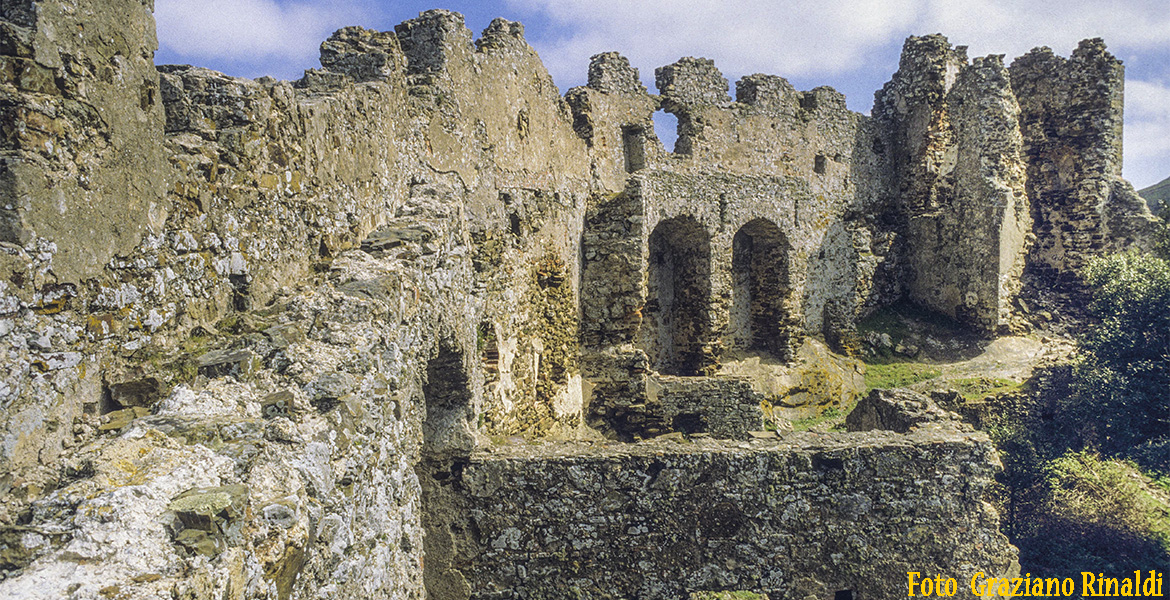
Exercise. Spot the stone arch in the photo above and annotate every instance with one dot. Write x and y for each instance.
(761, 288)
(678, 301)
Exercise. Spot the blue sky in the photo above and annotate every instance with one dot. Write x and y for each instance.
(852, 45)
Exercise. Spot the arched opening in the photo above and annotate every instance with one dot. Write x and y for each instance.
(759, 264)
(677, 322)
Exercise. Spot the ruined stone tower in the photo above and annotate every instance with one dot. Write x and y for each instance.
(328, 338)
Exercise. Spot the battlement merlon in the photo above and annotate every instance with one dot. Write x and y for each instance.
(691, 82)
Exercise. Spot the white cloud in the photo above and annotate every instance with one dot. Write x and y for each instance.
(1147, 132)
(252, 30)
(804, 37)
(799, 37)
(1012, 27)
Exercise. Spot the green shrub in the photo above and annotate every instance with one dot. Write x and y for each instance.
(1107, 492)
(1107, 515)
(1119, 401)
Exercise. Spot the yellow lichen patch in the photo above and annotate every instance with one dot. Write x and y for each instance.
(51, 307)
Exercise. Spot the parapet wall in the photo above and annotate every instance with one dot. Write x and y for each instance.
(799, 517)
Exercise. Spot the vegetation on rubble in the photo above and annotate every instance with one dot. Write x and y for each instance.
(830, 414)
(977, 388)
(1087, 463)
(897, 374)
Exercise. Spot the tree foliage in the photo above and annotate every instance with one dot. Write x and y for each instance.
(1121, 392)
(1087, 459)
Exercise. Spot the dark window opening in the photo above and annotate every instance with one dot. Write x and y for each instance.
(448, 401)
(843, 595)
(515, 225)
(489, 349)
(827, 463)
(819, 164)
(634, 142)
(240, 298)
(107, 404)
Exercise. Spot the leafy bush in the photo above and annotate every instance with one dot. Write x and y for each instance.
(1107, 515)
(1086, 460)
(1120, 401)
(1107, 492)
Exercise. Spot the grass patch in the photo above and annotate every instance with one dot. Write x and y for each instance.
(977, 388)
(829, 414)
(897, 374)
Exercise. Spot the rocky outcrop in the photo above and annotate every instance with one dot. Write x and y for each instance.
(897, 410)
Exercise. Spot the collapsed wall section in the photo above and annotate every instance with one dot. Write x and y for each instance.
(793, 518)
(997, 169)
(953, 128)
(1071, 119)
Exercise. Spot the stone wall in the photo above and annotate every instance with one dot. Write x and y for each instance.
(327, 252)
(799, 517)
(997, 169)
(761, 221)
(76, 97)
(1071, 119)
(952, 127)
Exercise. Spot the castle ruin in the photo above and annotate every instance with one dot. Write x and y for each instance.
(417, 325)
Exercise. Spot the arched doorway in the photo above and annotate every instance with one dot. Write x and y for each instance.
(677, 314)
(759, 264)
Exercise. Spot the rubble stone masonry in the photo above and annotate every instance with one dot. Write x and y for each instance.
(326, 338)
